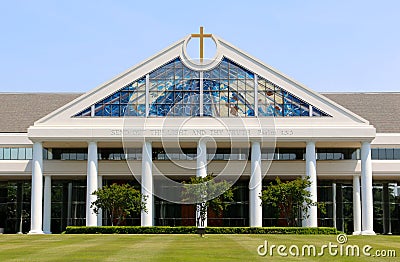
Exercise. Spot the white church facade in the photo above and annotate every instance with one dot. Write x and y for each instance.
(171, 117)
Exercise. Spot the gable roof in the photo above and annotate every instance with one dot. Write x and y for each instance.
(65, 115)
(381, 109)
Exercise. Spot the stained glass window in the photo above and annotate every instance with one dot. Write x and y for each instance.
(174, 91)
(275, 101)
(130, 100)
(228, 91)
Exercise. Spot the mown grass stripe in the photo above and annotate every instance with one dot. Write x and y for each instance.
(174, 248)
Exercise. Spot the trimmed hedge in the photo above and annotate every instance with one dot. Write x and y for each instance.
(193, 230)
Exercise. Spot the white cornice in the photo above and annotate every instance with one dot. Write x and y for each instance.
(386, 139)
(14, 139)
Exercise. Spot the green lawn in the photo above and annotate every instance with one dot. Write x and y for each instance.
(175, 247)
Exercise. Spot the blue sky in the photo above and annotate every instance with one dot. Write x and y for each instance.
(74, 46)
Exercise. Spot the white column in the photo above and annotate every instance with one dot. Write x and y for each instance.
(356, 205)
(147, 184)
(366, 190)
(91, 216)
(311, 172)
(100, 214)
(47, 205)
(37, 189)
(201, 171)
(69, 204)
(334, 206)
(255, 186)
(386, 208)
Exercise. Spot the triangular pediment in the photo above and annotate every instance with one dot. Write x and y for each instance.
(234, 84)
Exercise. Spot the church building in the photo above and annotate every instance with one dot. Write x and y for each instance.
(172, 117)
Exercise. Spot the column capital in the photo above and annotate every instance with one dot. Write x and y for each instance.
(308, 142)
(366, 141)
(204, 139)
(36, 140)
(365, 144)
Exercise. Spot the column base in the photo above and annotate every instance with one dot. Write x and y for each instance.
(308, 223)
(368, 233)
(146, 221)
(36, 232)
(357, 233)
(47, 232)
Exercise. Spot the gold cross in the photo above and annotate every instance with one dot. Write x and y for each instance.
(201, 36)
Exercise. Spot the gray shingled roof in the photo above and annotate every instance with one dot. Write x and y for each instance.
(19, 111)
(382, 110)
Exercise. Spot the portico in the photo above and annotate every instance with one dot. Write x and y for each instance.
(260, 167)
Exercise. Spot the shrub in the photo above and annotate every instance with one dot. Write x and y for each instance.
(193, 230)
(119, 201)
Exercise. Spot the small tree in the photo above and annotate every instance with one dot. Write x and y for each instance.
(291, 198)
(119, 201)
(207, 194)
